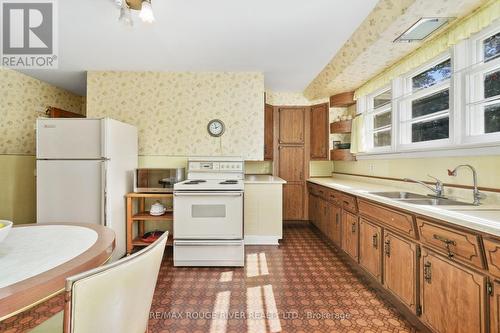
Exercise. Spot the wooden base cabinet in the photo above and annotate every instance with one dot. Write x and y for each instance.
(452, 296)
(350, 234)
(370, 248)
(495, 308)
(313, 203)
(335, 224)
(400, 264)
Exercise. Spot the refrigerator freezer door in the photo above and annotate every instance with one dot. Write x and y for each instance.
(70, 191)
(69, 139)
(121, 149)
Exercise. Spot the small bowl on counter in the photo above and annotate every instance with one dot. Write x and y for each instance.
(5, 227)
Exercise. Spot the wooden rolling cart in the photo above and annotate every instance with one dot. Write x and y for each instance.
(142, 215)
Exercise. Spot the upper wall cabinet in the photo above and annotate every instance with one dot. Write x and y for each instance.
(292, 125)
(342, 100)
(319, 132)
(268, 132)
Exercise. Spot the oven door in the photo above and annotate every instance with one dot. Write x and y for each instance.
(208, 215)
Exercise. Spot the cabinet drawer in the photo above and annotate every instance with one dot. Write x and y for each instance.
(334, 197)
(349, 203)
(400, 221)
(456, 244)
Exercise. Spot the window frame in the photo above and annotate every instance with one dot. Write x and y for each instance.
(475, 102)
(463, 93)
(371, 112)
(405, 106)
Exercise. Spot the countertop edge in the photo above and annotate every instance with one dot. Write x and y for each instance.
(261, 180)
(450, 216)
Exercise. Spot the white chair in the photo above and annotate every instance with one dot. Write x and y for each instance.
(111, 298)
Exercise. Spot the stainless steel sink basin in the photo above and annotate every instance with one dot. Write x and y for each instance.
(400, 195)
(438, 202)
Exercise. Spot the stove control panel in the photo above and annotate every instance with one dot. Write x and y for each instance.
(236, 166)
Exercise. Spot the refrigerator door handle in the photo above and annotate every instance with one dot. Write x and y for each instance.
(104, 193)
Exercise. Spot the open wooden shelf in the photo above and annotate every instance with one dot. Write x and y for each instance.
(145, 216)
(341, 127)
(139, 242)
(342, 155)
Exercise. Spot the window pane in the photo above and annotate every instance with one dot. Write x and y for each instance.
(430, 130)
(382, 119)
(491, 47)
(434, 75)
(382, 139)
(492, 118)
(430, 104)
(382, 99)
(492, 84)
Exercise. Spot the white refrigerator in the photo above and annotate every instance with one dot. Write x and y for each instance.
(84, 168)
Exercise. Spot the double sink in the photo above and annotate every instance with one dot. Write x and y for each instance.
(419, 199)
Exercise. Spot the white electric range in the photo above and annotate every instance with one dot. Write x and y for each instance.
(208, 214)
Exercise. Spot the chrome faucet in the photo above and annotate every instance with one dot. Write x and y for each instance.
(477, 195)
(438, 188)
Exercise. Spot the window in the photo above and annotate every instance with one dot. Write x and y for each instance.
(451, 103)
(380, 119)
(425, 107)
(483, 87)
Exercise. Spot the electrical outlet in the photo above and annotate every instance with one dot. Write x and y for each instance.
(371, 168)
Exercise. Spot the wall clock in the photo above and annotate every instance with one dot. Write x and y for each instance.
(216, 127)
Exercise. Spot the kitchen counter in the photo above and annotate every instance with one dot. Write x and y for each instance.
(484, 218)
(263, 179)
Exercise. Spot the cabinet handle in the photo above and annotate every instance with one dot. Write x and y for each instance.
(375, 240)
(353, 227)
(427, 272)
(387, 247)
(447, 242)
(346, 203)
(337, 218)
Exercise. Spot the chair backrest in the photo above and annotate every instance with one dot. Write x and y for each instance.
(116, 297)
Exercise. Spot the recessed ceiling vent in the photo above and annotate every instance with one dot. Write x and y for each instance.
(422, 29)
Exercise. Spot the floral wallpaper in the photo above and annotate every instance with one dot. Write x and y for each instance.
(371, 49)
(171, 110)
(22, 100)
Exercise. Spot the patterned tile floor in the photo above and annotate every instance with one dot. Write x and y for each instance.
(302, 285)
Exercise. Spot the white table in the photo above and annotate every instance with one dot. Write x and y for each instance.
(36, 259)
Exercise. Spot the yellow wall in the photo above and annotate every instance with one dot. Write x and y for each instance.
(487, 167)
(171, 110)
(22, 100)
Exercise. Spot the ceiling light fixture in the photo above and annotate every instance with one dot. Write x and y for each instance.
(422, 29)
(125, 15)
(144, 6)
(146, 13)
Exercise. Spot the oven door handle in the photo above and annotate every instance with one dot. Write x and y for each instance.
(206, 194)
(201, 243)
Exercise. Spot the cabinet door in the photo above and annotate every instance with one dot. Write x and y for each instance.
(319, 132)
(336, 222)
(293, 201)
(312, 209)
(369, 247)
(268, 132)
(291, 163)
(292, 125)
(400, 269)
(495, 308)
(452, 296)
(350, 234)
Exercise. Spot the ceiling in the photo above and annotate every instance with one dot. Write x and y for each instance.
(371, 49)
(290, 41)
